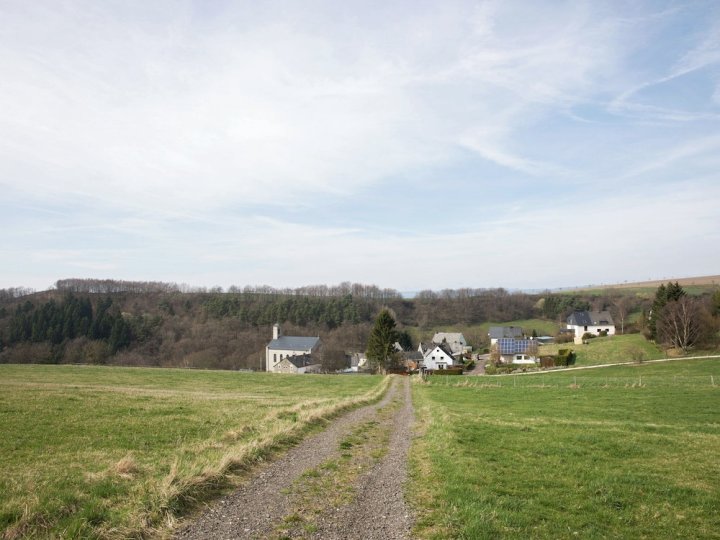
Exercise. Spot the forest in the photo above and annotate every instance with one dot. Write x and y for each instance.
(165, 324)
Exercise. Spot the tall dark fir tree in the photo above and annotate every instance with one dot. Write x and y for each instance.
(381, 343)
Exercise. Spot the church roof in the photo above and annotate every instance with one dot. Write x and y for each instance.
(293, 343)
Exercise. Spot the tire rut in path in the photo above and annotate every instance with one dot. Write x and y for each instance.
(379, 510)
(255, 509)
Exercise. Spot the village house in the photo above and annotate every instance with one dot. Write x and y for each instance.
(291, 354)
(591, 322)
(436, 357)
(517, 351)
(301, 363)
(455, 340)
(504, 332)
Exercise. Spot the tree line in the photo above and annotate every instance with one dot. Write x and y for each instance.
(56, 322)
(230, 329)
(111, 286)
(301, 311)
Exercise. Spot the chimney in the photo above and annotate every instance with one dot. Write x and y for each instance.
(276, 331)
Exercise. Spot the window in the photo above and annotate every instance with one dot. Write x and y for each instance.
(441, 366)
(275, 357)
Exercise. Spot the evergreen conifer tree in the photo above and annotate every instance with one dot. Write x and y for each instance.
(380, 349)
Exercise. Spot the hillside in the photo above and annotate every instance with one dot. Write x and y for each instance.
(158, 324)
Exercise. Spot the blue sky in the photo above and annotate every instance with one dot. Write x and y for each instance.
(413, 145)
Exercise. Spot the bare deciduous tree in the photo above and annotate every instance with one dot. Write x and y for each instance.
(680, 323)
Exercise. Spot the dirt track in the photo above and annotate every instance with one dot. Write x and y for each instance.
(345, 482)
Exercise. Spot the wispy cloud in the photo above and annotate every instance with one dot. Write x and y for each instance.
(166, 141)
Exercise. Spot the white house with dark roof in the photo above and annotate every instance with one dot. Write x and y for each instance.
(592, 322)
(289, 347)
(455, 340)
(436, 357)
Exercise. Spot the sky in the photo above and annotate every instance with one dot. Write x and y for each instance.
(408, 144)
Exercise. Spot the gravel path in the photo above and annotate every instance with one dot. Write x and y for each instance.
(379, 511)
(257, 508)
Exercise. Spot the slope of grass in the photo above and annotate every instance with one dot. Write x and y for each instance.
(117, 452)
(623, 452)
(609, 350)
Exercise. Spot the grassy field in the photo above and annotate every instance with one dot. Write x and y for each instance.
(693, 286)
(116, 452)
(609, 350)
(622, 452)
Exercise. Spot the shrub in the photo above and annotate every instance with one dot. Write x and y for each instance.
(490, 369)
(547, 361)
(588, 335)
(449, 371)
(637, 354)
(565, 357)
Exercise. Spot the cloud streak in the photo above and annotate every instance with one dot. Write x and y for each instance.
(236, 142)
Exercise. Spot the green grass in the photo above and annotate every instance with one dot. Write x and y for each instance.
(640, 292)
(113, 452)
(608, 350)
(622, 452)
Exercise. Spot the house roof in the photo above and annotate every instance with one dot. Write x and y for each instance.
(450, 337)
(499, 332)
(455, 340)
(444, 347)
(412, 355)
(293, 343)
(514, 346)
(590, 318)
(300, 360)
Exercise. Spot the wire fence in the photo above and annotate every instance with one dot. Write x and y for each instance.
(578, 381)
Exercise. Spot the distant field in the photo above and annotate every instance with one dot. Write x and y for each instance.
(609, 350)
(692, 285)
(116, 452)
(622, 452)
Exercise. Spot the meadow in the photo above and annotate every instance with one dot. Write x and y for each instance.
(98, 452)
(621, 452)
(609, 350)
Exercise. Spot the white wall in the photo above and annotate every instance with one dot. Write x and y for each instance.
(274, 356)
(435, 357)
